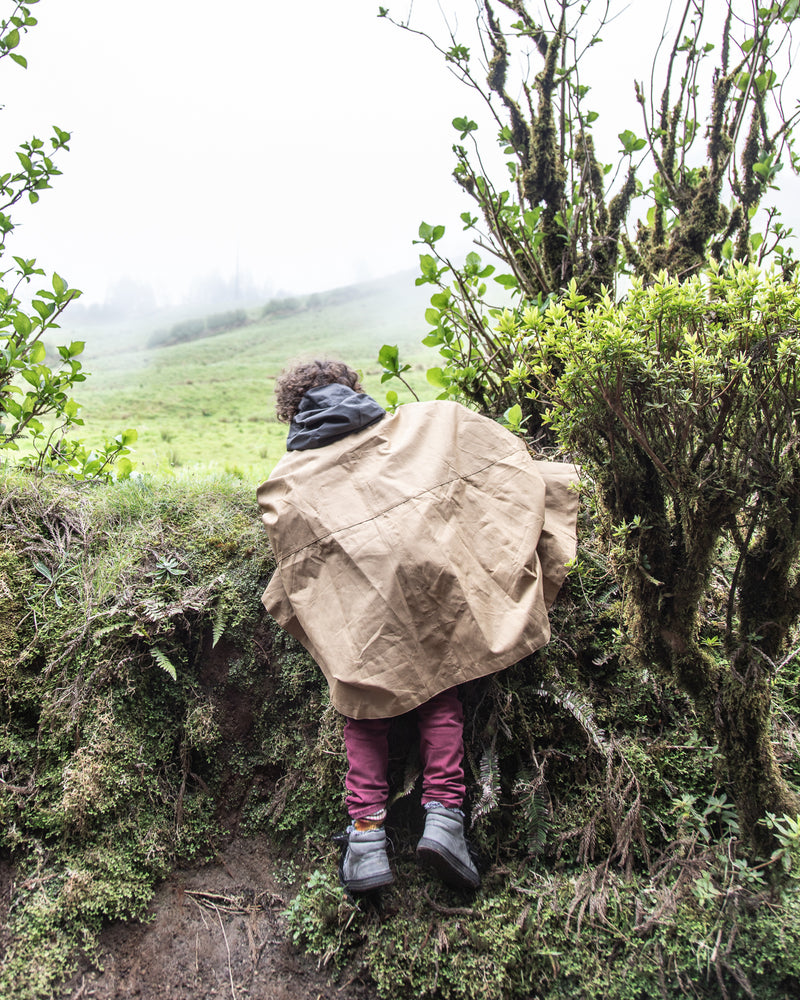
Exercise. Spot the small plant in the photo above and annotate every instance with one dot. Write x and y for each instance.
(786, 830)
(168, 566)
(322, 918)
(389, 359)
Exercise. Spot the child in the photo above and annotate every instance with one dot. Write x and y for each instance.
(415, 552)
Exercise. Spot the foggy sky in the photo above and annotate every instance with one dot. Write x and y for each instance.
(297, 146)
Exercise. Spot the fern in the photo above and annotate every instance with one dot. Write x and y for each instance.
(220, 621)
(490, 784)
(413, 770)
(580, 709)
(164, 662)
(535, 809)
(537, 819)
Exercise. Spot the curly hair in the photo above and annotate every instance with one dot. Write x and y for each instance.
(292, 384)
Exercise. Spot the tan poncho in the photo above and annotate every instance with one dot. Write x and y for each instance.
(418, 553)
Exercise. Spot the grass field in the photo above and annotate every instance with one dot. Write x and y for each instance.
(207, 405)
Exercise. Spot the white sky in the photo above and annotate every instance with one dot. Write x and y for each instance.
(304, 140)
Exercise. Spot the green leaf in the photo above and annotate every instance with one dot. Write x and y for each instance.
(123, 468)
(473, 261)
(789, 10)
(37, 353)
(11, 40)
(389, 356)
(425, 232)
(766, 81)
(507, 281)
(513, 418)
(630, 142)
(430, 234)
(22, 324)
(41, 568)
(19, 60)
(464, 126)
(76, 347)
(44, 309)
(437, 378)
(427, 265)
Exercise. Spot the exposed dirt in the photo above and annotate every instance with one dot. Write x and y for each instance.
(214, 931)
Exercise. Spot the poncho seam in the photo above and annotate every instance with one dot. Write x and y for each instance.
(386, 510)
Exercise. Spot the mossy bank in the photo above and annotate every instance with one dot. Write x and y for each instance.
(150, 710)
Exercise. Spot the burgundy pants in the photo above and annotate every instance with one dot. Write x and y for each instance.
(441, 726)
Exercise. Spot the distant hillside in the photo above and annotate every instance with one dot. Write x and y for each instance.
(208, 401)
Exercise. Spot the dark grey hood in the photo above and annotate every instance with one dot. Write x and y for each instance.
(328, 413)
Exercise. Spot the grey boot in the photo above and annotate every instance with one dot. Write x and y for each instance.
(364, 864)
(443, 848)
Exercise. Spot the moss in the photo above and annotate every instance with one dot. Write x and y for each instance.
(590, 789)
(111, 769)
(531, 936)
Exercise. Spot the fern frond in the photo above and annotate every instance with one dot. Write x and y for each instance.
(490, 784)
(413, 770)
(220, 621)
(537, 820)
(164, 662)
(534, 802)
(580, 709)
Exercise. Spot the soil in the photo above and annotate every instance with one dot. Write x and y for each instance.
(213, 931)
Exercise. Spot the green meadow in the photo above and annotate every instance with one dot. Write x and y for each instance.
(206, 405)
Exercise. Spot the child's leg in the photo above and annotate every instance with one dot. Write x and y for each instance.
(441, 728)
(364, 866)
(366, 741)
(442, 847)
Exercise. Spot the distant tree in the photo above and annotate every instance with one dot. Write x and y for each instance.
(30, 387)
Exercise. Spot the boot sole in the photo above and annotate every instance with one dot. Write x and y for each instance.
(366, 884)
(449, 869)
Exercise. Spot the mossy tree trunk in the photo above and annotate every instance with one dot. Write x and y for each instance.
(744, 731)
(683, 403)
(733, 698)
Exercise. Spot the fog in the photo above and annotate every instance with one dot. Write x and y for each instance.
(234, 153)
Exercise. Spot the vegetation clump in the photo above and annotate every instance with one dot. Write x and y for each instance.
(196, 329)
(123, 712)
(151, 710)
